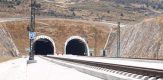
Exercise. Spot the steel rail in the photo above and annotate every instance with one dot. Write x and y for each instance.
(125, 68)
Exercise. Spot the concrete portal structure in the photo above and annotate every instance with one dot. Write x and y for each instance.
(44, 45)
(76, 45)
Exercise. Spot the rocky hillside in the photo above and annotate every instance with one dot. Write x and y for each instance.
(7, 46)
(60, 30)
(143, 40)
(97, 10)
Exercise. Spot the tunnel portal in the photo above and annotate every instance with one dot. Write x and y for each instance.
(43, 47)
(76, 46)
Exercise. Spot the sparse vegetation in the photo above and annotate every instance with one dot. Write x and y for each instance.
(97, 10)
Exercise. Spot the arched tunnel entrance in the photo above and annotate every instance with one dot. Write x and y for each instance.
(76, 46)
(43, 46)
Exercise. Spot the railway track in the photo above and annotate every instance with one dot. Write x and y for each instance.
(155, 74)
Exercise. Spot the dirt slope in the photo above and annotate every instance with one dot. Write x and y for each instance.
(60, 30)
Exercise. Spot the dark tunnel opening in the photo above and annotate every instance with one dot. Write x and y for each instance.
(76, 47)
(43, 47)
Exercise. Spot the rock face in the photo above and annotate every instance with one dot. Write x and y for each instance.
(142, 40)
(7, 46)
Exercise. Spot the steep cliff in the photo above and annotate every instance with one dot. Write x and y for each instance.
(142, 40)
